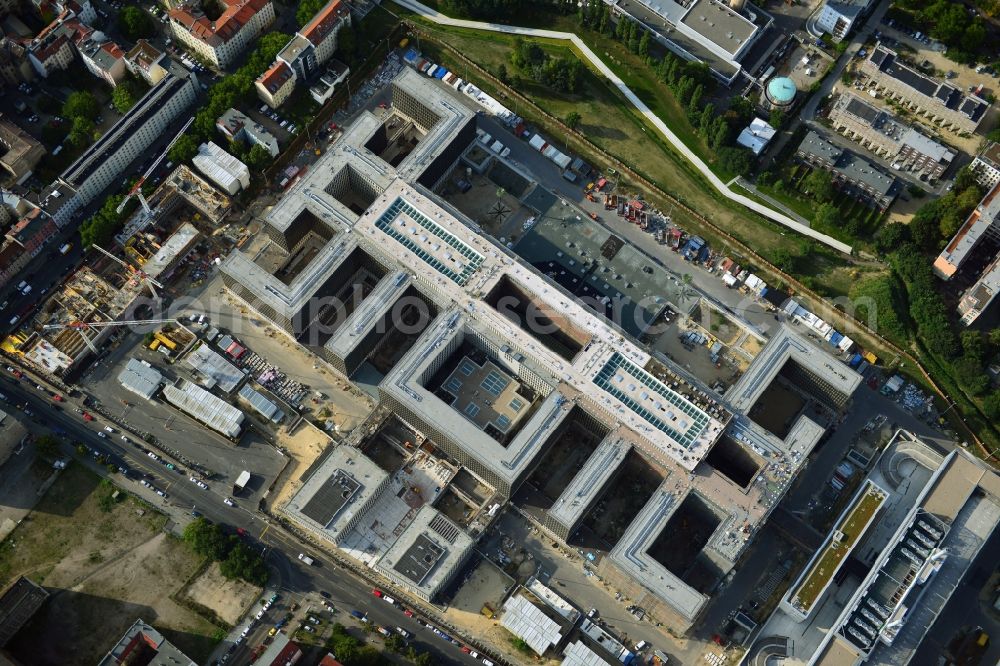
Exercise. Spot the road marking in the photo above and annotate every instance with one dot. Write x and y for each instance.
(266, 528)
(167, 487)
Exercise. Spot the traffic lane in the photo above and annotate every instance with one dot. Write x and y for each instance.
(347, 593)
(173, 429)
(43, 272)
(180, 491)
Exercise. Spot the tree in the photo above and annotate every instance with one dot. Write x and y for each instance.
(572, 120)
(991, 406)
(307, 9)
(81, 104)
(123, 97)
(891, 236)
(777, 118)
(395, 643)
(826, 215)
(81, 132)
(425, 658)
(735, 160)
(783, 259)
(644, 44)
(258, 157)
(242, 562)
(183, 150)
(206, 539)
(47, 446)
(502, 73)
(135, 23)
(820, 185)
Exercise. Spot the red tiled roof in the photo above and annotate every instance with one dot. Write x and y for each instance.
(325, 21)
(328, 660)
(113, 50)
(276, 76)
(236, 15)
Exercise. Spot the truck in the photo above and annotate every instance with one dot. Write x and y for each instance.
(308, 561)
(241, 482)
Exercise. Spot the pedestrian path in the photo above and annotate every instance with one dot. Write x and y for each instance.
(667, 133)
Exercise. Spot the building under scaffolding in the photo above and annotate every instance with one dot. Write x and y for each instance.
(85, 297)
(198, 193)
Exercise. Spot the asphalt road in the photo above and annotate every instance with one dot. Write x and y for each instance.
(289, 575)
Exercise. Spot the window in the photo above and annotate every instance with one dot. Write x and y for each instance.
(472, 409)
(454, 385)
(503, 422)
(467, 367)
(495, 383)
(516, 404)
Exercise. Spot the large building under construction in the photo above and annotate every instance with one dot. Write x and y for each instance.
(497, 368)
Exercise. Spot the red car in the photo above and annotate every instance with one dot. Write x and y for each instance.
(466, 650)
(18, 374)
(57, 397)
(241, 531)
(377, 592)
(87, 416)
(408, 613)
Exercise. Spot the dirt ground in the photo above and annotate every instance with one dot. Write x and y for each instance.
(903, 210)
(104, 570)
(303, 445)
(229, 599)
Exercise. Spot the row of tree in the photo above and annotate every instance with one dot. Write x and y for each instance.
(560, 74)
(236, 559)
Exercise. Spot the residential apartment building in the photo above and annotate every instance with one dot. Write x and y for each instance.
(838, 17)
(147, 62)
(936, 101)
(315, 43)
(222, 40)
(52, 49)
(14, 64)
(237, 126)
(883, 134)
(32, 232)
(983, 224)
(276, 84)
(21, 152)
(336, 73)
(143, 126)
(980, 295)
(142, 644)
(103, 59)
(987, 166)
(850, 172)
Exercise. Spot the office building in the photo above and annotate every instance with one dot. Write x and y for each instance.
(222, 40)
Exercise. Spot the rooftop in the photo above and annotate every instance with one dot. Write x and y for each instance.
(724, 27)
(277, 75)
(212, 369)
(19, 601)
(140, 378)
(205, 407)
(237, 13)
(530, 623)
(326, 21)
(980, 224)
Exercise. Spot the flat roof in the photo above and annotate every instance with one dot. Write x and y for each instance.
(332, 513)
(428, 551)
(587, 484)
(214, 412)
(839, 652)
(578, 654)
(176, 246)
(140, 378)
(979, 223)
(214, 369)
(529, 623)
(719, 24)
(632, 556)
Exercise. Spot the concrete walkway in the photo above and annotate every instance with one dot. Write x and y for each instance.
(654, 120)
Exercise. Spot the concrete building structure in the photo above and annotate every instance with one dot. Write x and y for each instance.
(237, 126)
(362, 236)
(851, 173)
(19, 151)
(276, 84)
(980, 295)
(980, 229)
(104, 160)
(987, 166)
(142, 644)
(222, 40)
(882, 133)
(717, 33)
(336, 73)
(13, 435)
(205, 407)
(756, 136)
(932, 547)
(146, 61)
(838, 17)
(102, 58)
(196, 192)
(780, 93)
(938, 102)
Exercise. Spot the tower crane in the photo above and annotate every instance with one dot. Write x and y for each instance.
(82, 326)
(147, 214)
(137, 274)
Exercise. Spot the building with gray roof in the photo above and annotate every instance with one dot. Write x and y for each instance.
(237, 126)
(142, 644)
(938, 102)
(212, 370)
(140, 378)
(427, 555)
(850, 172)
(202, 406)
(885, 135)
(19, 602)
(338, 493)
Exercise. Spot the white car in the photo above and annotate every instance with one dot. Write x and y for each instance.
(153, 455)
(124, 438)
(108, 429)
(229, 502)
(102, 435)
(161, 493)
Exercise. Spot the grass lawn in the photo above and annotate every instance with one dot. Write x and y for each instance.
(613, 125)
(834, 552)
(103, 569)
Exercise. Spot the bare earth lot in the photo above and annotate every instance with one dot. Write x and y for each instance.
(227, 598)
(104, 570)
